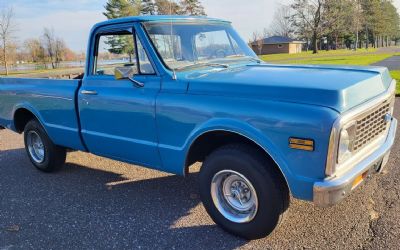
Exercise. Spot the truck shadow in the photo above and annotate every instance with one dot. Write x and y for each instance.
(100, 204)
(100, 208)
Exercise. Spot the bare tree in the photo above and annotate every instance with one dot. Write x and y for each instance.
(258, 41)
(356, 20)
(266, 33)
(167, 7)
(7, 30)
(59, 52)
(36, 51)
(308, 16)
(281, 24)
(55, 47)
(49, 43)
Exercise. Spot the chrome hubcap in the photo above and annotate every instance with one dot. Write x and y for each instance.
(234, 196)
(35, 147)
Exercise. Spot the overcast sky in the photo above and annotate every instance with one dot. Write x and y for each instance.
(72, 19)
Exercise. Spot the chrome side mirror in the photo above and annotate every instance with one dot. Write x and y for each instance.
(123, 72)
(127, 73)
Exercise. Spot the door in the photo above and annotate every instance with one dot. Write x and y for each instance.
(118, 116)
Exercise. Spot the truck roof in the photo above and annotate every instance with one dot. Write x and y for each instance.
(160, 18)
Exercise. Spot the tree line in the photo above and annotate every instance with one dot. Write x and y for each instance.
(322, 24)
(45, 50)
(332, 24)
(122, 8)
(50, 50)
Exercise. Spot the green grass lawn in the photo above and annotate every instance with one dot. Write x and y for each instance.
(362, 60)
(396, 75)
(360, 57)
(48, 72)
(310, 55)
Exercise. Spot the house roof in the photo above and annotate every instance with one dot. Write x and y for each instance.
(279, 40)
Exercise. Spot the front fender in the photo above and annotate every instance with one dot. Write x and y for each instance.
(181, 119)
(245, 130)
(174, 158)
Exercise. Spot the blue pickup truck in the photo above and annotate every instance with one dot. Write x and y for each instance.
(166, 92)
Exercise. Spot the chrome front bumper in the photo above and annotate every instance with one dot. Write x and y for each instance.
(332, 190)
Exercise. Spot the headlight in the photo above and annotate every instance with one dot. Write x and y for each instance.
(346, 141)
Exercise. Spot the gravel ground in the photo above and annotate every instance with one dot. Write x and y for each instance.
(96, 203)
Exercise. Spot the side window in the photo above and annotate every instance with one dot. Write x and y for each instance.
(145, 66)
(115, 50)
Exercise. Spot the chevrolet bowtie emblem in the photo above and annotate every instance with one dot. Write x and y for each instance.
(388, 117)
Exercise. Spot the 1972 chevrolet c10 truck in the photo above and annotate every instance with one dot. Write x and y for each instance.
(179, 90)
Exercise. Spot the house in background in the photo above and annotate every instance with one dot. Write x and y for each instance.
(277, 45)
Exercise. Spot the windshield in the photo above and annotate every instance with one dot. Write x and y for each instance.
(187, 45)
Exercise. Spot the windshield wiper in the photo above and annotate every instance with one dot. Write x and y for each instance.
(245, 57)
(221, 65)
(254, 59)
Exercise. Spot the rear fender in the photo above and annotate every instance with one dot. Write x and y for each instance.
(30, 108)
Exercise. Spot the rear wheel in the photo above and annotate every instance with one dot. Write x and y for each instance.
(243, 192)
(43, 153)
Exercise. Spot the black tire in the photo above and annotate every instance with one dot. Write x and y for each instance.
(269, 184)
(54, 156)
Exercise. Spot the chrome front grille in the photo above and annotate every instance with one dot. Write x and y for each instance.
(371, 125)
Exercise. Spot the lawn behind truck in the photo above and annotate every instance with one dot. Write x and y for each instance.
(361, 57)
(396, 75)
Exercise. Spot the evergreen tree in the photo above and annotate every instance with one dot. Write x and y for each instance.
(374, 20)
(116, 9)
(148, 7)
(391, 22)
(122, 8)
(167, 7)
(350, 21)
(337, 21)
(192, 8)
(171, 7)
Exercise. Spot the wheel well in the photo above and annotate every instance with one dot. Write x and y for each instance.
(208, 142)
(21, 118)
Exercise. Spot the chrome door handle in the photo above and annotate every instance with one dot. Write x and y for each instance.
(137, 83)
(88, 92)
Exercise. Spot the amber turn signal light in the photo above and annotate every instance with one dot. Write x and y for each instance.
(302, 144)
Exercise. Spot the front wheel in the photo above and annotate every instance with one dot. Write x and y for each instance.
(243, 192)
(43, 153)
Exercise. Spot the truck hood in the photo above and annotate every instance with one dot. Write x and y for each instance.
(339, 88)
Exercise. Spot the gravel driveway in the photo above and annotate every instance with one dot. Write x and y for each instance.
(98, 203)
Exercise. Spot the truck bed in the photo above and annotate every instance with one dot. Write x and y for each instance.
(52, 101)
